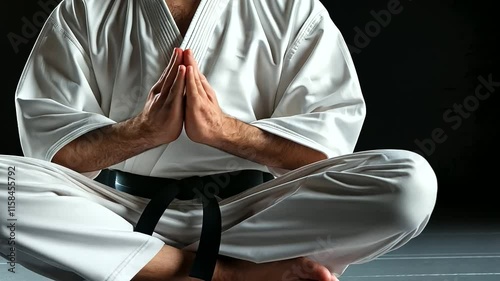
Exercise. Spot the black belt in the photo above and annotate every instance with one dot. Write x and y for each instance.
(162, 191)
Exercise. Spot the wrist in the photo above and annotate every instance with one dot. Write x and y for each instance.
(230, 131)
(140, 133)
(143, 131)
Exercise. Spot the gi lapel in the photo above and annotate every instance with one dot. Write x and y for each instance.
(199, 33)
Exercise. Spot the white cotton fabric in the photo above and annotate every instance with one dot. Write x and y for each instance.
(280, 65)
(344, 210)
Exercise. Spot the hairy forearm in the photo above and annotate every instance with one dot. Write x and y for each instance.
(104, 147)
(252, 143)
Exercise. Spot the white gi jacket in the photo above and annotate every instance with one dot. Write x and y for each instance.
(280, 65)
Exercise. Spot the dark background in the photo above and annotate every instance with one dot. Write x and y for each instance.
(416, 68)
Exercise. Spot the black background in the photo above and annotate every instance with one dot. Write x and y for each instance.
(414, 68)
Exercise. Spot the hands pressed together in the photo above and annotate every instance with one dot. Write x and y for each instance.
(183, 97)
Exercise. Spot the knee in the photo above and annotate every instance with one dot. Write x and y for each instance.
(414, 190)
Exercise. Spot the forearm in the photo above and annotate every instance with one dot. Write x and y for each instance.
(104, 147)
(252, 143)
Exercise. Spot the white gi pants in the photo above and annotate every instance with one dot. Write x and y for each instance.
(340, 211)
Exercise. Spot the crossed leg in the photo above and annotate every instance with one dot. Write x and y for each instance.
(307, 224)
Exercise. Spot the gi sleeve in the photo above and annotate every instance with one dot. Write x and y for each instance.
(57, 98)
(319, 102)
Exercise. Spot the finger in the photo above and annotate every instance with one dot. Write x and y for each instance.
(169, 79)
(191, 88)
(189, 59)
(159, 84)
(199, 84)
(170, 65)
(177, 89)
(208, 88)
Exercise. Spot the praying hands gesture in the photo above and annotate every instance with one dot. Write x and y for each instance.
(182, 98)
(204, 120)
(162, 117)
(183, 95)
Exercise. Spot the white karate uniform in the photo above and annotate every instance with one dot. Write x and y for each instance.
(279, 65)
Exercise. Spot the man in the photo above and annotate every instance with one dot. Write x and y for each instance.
(172, 92)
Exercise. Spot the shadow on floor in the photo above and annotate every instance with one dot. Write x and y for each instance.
(455, 246)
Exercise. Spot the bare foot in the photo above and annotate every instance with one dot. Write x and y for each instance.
(299, 269)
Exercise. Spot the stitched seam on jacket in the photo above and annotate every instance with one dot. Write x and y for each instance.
(309, 26)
